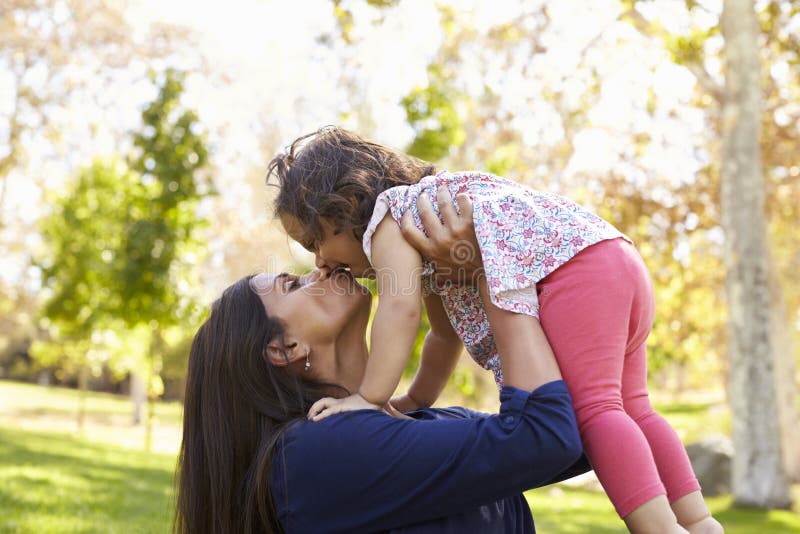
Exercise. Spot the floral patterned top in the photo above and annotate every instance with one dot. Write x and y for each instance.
(523, 235)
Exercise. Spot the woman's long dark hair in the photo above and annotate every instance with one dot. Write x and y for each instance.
(237, 405)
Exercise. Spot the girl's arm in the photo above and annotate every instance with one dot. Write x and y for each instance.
(438, 359)
(398, 277)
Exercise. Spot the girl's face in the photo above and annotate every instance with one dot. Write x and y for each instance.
(335, 249)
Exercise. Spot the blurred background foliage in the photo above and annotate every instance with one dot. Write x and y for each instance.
(109, 222)
(134, 137)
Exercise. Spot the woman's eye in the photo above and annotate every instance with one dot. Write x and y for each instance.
(290, 283)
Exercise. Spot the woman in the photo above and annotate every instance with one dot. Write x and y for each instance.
(251, 462)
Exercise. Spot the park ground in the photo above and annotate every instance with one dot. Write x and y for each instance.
(54, 479)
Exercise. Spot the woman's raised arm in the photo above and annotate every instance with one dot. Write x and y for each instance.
(365, 471)
(526, 357)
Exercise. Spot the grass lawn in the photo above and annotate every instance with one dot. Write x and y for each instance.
(107, 416)
(53, 481)
(567, 510)
(32, 400)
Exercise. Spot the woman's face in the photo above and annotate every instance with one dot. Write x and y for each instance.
(315, 309)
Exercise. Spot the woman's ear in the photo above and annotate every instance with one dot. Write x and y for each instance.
(281, 355)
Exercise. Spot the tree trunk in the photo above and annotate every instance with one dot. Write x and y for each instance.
(154, 386)
(785, 379)
(44, 378)
(758, 474)
(83, 384)
(148, 426)
(138, 395)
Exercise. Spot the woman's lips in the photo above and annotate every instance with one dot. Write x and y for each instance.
(342, 280)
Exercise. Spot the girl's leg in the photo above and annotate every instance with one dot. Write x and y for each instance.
(586, 311)
(674, 468)
(670, 456)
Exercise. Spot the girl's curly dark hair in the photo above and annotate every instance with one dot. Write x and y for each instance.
(336, 174)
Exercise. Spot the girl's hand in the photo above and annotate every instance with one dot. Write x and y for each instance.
(329, 406)
(388, 409)
(404, 403)
(452, 245)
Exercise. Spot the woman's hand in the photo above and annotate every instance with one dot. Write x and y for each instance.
(451, 245)
(329, 406)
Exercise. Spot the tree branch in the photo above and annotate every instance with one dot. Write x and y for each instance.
(699, 71)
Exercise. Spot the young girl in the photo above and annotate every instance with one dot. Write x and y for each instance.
(544, 256)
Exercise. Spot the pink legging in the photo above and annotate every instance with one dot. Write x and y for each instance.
(597, 310)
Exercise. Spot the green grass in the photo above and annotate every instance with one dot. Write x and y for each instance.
(692, 421)
(53, 481)
(32, 400)
(108, 417)
(56, 483)
(569, 510)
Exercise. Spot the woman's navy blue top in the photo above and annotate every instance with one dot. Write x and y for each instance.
(445, 470)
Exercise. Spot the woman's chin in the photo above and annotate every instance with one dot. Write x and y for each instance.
(362, 272)
(344, 282)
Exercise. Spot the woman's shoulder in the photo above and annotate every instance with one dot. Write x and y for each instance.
(340, 434)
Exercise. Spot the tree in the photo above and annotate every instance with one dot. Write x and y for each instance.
(779, 141)
(54, 49)
(432, 112)
(160, 227)
(758, 469)
(123, 246)
(83, 235)
(57, 56)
